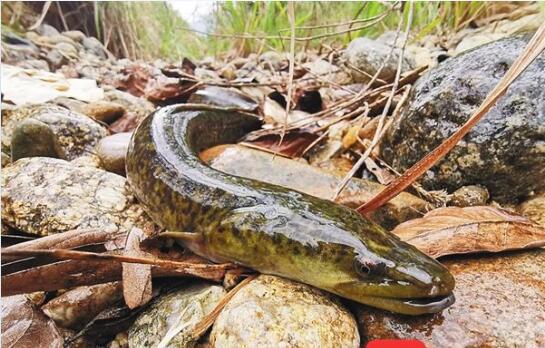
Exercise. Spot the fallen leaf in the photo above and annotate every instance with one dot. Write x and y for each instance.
(293, 144)
(454, 230)
(76, 307)
(136, 276)
(24, 325)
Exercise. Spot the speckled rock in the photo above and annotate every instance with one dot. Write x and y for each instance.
(368, 55)
(95, 47)
(112, 151)
(469, 196)
(170, 319)
(44, 196)
(504, 152)
(275, 312)
(77, 134)
(104, 111)
(33, 138)
(534, 208)
(500, 302)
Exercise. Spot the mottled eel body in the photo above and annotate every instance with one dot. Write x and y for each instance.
(270, 228)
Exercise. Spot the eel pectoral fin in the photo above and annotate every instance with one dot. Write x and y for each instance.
(194, 241)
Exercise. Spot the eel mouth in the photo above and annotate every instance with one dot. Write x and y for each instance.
(410, 306)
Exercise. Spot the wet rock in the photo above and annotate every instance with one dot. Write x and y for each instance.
(254, 164)
(368, 55)
(70, 104)
(33, 138)
(112, 151)
(78, 306)
(169, 320)
(77, 134)
(469, 196)
(275, 312)
(136, 109)
(504, 152)
(225, 97)
(104, 111)
(500, 302)
(45, 196)
(534, 208)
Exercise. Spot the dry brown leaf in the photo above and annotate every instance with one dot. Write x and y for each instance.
(293, 144)
(24, 325)
(137, 284)
(453, 230)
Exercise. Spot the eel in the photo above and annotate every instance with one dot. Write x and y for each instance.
(269, 228)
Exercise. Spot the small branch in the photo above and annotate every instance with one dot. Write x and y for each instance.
(532, 50)
(42, 16)
(379, 133)
(211, 317)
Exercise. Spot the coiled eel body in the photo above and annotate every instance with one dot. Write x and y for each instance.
(270, 228)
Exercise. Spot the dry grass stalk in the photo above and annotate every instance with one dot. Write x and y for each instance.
(379, 132)
(532, 50)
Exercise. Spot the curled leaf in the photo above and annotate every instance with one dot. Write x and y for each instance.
(453, 230)
(24, 325)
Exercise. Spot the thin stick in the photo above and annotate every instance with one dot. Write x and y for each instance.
(278, 37)
(378, 132)
(532, 50)
(211, 317)
(42, 16)
(66, 254)
(330, 25)
(291, 15)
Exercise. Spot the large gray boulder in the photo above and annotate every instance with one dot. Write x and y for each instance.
(504, 152)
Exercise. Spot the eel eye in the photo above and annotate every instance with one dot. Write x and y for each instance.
(366, 269)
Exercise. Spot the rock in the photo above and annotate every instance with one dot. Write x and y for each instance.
(136, 109)
(70, 104)
(76, 307)
(328, 72)
(75, 35)
(534, 208)
(77, 134)
(112, 151)
(44, 196)
(504, 152)
(38, 64)
(47, 30)
(56, 59)
(469, 196)
(470, 38)
(271, 59)
(368, 55)
(500, 302)
(275, 312)
(104, 111)
(225, 97)
(6, 159)
(33, 138)
(169, 320)
(258, 165)
(95, 47)
(67, 49)
(205, 74)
